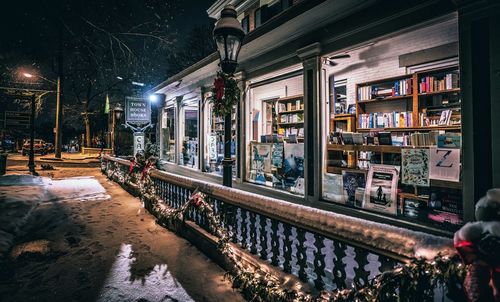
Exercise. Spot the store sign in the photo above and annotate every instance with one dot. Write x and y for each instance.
(17, 119)
(138, 142)
(137, 111)
(212, 147)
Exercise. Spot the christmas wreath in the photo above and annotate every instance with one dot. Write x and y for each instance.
(225, 94)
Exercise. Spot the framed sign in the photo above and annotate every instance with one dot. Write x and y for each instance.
(137, 111)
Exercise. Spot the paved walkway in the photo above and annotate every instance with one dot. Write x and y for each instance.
(93, 247)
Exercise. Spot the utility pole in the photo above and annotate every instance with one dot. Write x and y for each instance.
(59, 115)
(31, 162)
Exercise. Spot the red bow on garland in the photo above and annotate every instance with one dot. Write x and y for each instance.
(146, 169)
(219, 88)
(131, 167)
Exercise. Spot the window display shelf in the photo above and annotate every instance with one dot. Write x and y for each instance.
(372, 148)
(385, 99)
(454, 90)
(291, 124)
(428, 128)
(291, 111)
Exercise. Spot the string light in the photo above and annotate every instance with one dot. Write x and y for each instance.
(418, 278)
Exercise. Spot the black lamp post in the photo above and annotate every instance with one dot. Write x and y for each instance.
(117, 114)
(228, 35)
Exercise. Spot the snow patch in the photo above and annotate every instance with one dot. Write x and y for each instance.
(159, 285)
(76, 189)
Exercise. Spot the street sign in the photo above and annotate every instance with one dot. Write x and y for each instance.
(138, 142)
(137, 111)
(17, 119)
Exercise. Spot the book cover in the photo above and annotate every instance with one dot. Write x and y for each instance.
(384, 138)
(332, 187)
(351, 181)
(444, 164)
(449, 140)
(261, 157)
(445, 206)
(381, 188)
(293, 163)
(415, 166)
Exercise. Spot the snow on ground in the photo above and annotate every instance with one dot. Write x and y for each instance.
(121, 285)
(86, 239)
(20, 194)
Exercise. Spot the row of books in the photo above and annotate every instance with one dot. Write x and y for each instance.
(402, 87)
(291, 105)
(291, 131)
(432, 138)
(399, 88)
(292, 118)
(386, 120)
(434, 84)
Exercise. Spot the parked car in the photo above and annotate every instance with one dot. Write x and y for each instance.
(39, 146)
(8, 145)
(50, 147)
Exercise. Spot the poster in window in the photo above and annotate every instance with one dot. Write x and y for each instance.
(444, 164)
(381, 188)
(277, 157)
(261, 157)
(415, 166)
(293, 164)
(352, 181)
(332, 187)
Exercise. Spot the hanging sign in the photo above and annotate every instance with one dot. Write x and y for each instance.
(138, 142)
(137, 111)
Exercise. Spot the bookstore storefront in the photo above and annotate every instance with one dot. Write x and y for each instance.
(275, 132)
(392, 135)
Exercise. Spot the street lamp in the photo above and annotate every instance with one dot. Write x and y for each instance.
(117, 114)
(58, 134)
(228, 35)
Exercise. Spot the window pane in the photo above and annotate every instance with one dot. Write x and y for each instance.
(189, 150)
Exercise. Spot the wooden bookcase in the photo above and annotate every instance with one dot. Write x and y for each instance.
(290, 111)
(372, 96)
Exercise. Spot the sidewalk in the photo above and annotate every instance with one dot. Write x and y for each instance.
(89, 240)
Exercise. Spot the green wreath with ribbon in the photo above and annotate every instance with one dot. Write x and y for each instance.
(225, 94)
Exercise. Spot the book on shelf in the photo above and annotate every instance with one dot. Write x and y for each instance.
(386, 120)
(435, 84)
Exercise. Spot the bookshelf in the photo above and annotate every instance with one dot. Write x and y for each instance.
(401, 113)
(291, 117)
(416, 102)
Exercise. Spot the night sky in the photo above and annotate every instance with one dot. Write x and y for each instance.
(25, 23)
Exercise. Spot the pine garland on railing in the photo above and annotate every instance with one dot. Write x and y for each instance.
(414, 281)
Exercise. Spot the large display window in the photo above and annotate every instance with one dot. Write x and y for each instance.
(188, 128)
(214, 141)
(393, 128)
(167, 150)
(275, 144)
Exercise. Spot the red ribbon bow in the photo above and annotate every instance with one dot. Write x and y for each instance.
(219, 88)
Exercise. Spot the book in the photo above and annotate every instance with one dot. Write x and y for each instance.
(381, 188)
(444, 164)
(384, 138)
(449, 140)
(415, 166)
